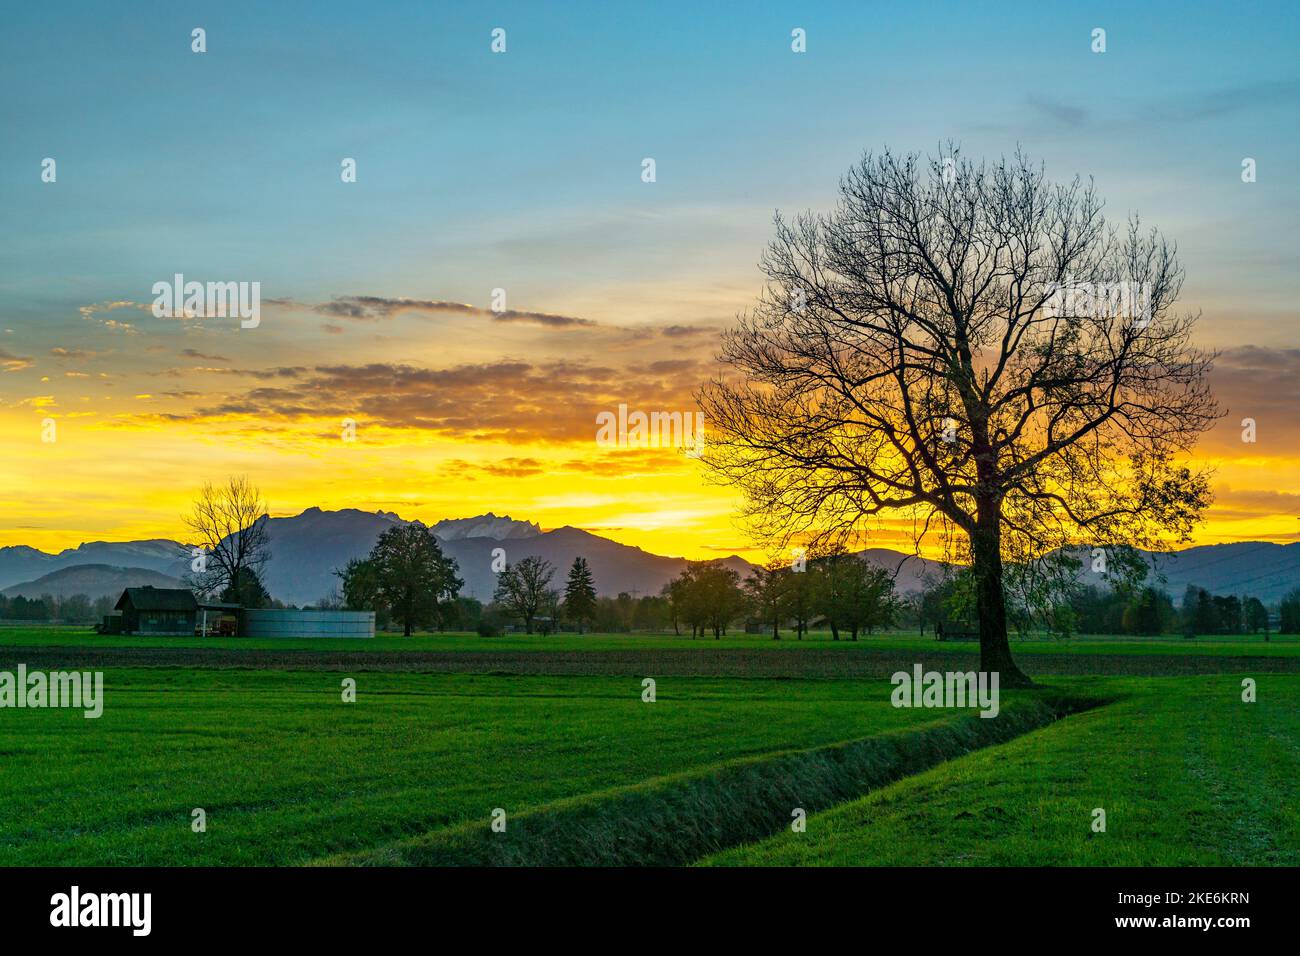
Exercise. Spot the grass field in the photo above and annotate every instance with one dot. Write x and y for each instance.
(1243, 645)
(289, 774)
(1187, 774)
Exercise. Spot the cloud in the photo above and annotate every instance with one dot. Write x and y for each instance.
(196, 354)
(1060, 112)
(502, 468)
(501, 401)
(91, 313)
(1206, 104)
(14, 363)
(672, 366)
(542, 318)
(1235, 504)
(373, 308)
(685, 331)
(1262, 384)
(1143, 114)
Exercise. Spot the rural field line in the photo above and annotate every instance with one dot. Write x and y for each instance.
(677, 820)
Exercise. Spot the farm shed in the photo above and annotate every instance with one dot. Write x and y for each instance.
(150, 610)
(218, 619)
(265, 622)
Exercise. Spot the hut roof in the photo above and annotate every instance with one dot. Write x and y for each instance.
(157, 599)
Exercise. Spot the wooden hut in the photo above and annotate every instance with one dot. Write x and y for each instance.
(150, 610)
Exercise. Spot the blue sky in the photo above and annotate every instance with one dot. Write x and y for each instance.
(478, 170)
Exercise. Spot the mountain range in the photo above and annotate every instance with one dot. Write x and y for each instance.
(91, 580)
(307, 548)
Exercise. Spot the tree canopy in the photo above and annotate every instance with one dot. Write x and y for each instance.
(971, 348)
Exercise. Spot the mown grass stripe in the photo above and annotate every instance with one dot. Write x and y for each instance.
(756, 662)
(680, 819)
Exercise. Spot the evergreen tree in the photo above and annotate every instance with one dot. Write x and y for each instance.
(580, 593)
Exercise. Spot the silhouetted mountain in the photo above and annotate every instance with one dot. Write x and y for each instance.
(911, 573)
(1256, 568)
(485, 526)
(92, 580)
(615, 567)
(20, 563)
(307, 548)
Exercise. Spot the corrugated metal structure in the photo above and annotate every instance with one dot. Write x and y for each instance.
(266, 622)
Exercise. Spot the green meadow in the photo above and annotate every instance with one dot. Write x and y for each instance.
(711, 771)
(1187, 774)
(287, 772)
(1237, 645)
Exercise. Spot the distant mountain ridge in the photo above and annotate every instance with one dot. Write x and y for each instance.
(19, 563)
(92, 580)
(307, 548)
(485, 526)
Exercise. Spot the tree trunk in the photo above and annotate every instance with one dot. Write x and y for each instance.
(986, 566)
(406, 628)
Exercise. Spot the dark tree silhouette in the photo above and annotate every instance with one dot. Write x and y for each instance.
(580, 593)
(407, 573)
(767, 588)
(522, 588)
(972, 348)
(228, 524)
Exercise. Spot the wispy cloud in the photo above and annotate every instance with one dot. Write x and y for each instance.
(14, 363)
(373, 308)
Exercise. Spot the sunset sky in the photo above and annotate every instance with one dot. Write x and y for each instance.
(522, 171)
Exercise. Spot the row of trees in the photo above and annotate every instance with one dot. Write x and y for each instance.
(407, 579)
(73, 608)
(849, 594)
(1125, 607)
(846, 592)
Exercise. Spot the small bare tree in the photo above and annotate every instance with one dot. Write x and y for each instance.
(522, 589)
(227, 525)
(973, 348)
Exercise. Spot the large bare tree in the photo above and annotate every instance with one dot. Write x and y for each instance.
(227, 526)
(972, 348)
